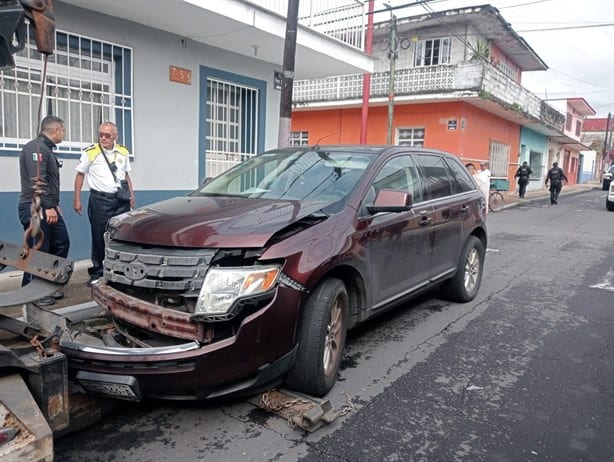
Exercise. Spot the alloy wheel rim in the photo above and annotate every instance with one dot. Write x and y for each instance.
(472, 270)
(334, 333)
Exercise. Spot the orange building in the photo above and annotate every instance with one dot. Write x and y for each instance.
(457, 87)
(457, 127)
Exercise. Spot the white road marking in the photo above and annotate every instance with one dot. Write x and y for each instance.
(607, 284)
(488, 249)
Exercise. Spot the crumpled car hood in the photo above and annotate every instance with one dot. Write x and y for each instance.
(209, 221)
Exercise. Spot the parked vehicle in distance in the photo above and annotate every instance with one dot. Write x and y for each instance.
(607, 178)
(255, 277)
(609, 199)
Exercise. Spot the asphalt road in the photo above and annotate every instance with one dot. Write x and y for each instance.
(525, 372)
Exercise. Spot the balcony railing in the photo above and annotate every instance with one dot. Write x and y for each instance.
(347, 87)
(479, 78)
(343, 20)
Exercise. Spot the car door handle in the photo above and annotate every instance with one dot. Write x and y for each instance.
(464, 209)
(425, 221)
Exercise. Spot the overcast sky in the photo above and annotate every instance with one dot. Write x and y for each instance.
(580, 55)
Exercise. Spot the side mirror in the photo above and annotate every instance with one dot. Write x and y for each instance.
(391, 200)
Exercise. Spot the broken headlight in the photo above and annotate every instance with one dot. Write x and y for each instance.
(222, 287)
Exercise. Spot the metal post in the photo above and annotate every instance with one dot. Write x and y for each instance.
(605, 161)
(366, 79)
(287, 80)
(392, 55)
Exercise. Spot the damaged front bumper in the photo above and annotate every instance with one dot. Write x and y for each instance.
(259, 352)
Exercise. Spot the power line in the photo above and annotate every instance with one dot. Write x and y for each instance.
(579, 80)
(588, 26)
(523, 4)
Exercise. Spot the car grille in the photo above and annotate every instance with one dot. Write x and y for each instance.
(160, 268)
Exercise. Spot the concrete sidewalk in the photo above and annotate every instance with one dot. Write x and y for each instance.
(76, 291)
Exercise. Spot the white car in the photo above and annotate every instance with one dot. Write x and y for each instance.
(608, 175)
(609, 200)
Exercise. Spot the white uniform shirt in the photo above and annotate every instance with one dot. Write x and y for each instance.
(99, 175)
(483, 177)
(484, 181)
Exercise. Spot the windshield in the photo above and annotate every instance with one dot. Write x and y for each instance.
(300, 175)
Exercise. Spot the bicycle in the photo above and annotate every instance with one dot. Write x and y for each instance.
(496, 200)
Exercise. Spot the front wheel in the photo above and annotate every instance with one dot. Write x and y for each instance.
(321, 339)
(464, 286)
(609, 205)
(496, 201)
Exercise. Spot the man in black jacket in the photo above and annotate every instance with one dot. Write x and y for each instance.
(555, 177)
(523, 173)
(37, 159)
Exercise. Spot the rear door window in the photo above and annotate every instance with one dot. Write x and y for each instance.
(437, 179)
(461, 176)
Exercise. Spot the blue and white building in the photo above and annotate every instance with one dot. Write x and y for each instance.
(190, 84)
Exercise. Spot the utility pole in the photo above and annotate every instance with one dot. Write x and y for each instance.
(392, 56)
(287, 81)
(366, 79)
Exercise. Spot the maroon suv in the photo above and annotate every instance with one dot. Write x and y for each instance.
(255, 278)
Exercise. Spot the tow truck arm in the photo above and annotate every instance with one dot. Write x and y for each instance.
(33, 377)
(50, 270)
(13, 28)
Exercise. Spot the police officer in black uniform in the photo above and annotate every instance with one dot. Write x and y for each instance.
(38, 159)
(555, 177)
(523, 173)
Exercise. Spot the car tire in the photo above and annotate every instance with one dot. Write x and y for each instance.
(604, 185)
(322, 337)
(609, 205)
(464, 286)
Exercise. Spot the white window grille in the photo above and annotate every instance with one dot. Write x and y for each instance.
(88, 81)
(232, 125)
(499, 154)
(410, 136)
(299, 138)
(432, 52)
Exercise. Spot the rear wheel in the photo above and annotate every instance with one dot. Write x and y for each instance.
(321, 339)
(605, 185)
(464, 286)
(496, 201)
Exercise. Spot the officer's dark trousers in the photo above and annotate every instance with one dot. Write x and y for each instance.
(55, 239)
(101, 207)
(522, 187)
(555, 189)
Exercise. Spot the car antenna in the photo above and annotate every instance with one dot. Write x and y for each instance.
(317, 145)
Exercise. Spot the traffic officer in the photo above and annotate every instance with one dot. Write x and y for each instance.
(106, 164)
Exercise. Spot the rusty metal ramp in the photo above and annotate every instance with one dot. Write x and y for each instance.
(303, 411)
